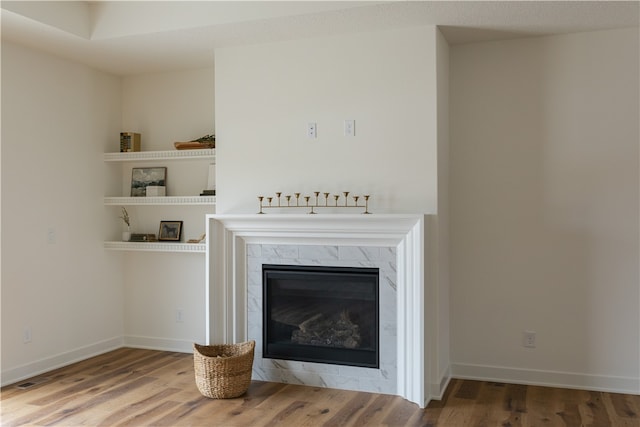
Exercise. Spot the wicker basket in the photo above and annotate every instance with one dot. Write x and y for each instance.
(223, 371)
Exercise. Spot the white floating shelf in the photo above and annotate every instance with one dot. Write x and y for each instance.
(138, 156)
(156, 201)
(156, 247)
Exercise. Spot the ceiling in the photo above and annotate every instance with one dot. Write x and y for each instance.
(133, 37)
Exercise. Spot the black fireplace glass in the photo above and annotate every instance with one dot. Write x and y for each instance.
(321, 314)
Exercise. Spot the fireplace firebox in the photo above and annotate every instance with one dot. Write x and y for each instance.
(321, 314)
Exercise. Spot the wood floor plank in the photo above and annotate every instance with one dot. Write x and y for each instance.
(623, 406)
(144, 417)
(135, 387)
(515, 402)
(570, 412)
(459, 407)
(468, 390)
(489, 408)
(286, 415)
(248, 411)
(374, 413)
(350, 411)
(13, 418)
(319, 408)
(97, 382)
(182, 413)
(543, 407)
(400, 413)
(59, 416)
(430, 416)
(599, 415)
(129, 410)
(320, 404)
(329, 408)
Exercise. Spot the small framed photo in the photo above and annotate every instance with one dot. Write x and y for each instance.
(141, 178)
(170, 231)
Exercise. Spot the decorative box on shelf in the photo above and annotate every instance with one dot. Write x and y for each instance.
(141, 237)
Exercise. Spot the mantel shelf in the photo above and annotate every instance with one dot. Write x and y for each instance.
(156, 247)
(157, 201)
(138, 156)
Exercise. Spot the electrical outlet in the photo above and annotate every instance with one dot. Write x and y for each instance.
(179, 315)
(349, 128)
(26, 335)
(529, 339)
(311, 130)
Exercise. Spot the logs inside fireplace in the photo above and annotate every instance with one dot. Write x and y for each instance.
(321, 314)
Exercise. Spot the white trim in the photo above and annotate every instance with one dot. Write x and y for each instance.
(572, 380)
(193, 248)
(157, 201)
(48, 364)
(228, 236)
(438, 389)
(154, 343)
(160, 155)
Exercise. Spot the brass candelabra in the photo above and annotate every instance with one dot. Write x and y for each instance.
(331, 201)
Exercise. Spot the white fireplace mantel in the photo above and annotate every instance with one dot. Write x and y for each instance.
(229, 235)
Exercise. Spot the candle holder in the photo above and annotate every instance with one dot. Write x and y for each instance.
(316, 203)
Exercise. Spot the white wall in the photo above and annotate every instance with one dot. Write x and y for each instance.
(544, 210)
(164, 108)
(385, 81)
(57, 118)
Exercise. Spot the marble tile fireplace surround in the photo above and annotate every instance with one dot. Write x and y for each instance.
(240, 244)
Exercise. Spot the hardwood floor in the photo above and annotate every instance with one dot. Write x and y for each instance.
(134, 387)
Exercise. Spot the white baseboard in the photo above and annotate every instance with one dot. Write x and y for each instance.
(437, 389)
(611, 384)
(47, 364)
(153, 343)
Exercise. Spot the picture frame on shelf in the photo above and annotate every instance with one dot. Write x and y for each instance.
(170, 231)
(141, 178)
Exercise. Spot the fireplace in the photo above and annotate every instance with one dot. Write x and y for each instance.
(239, 245)
(321, 314)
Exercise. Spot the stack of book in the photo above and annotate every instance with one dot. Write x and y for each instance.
(208, 193)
